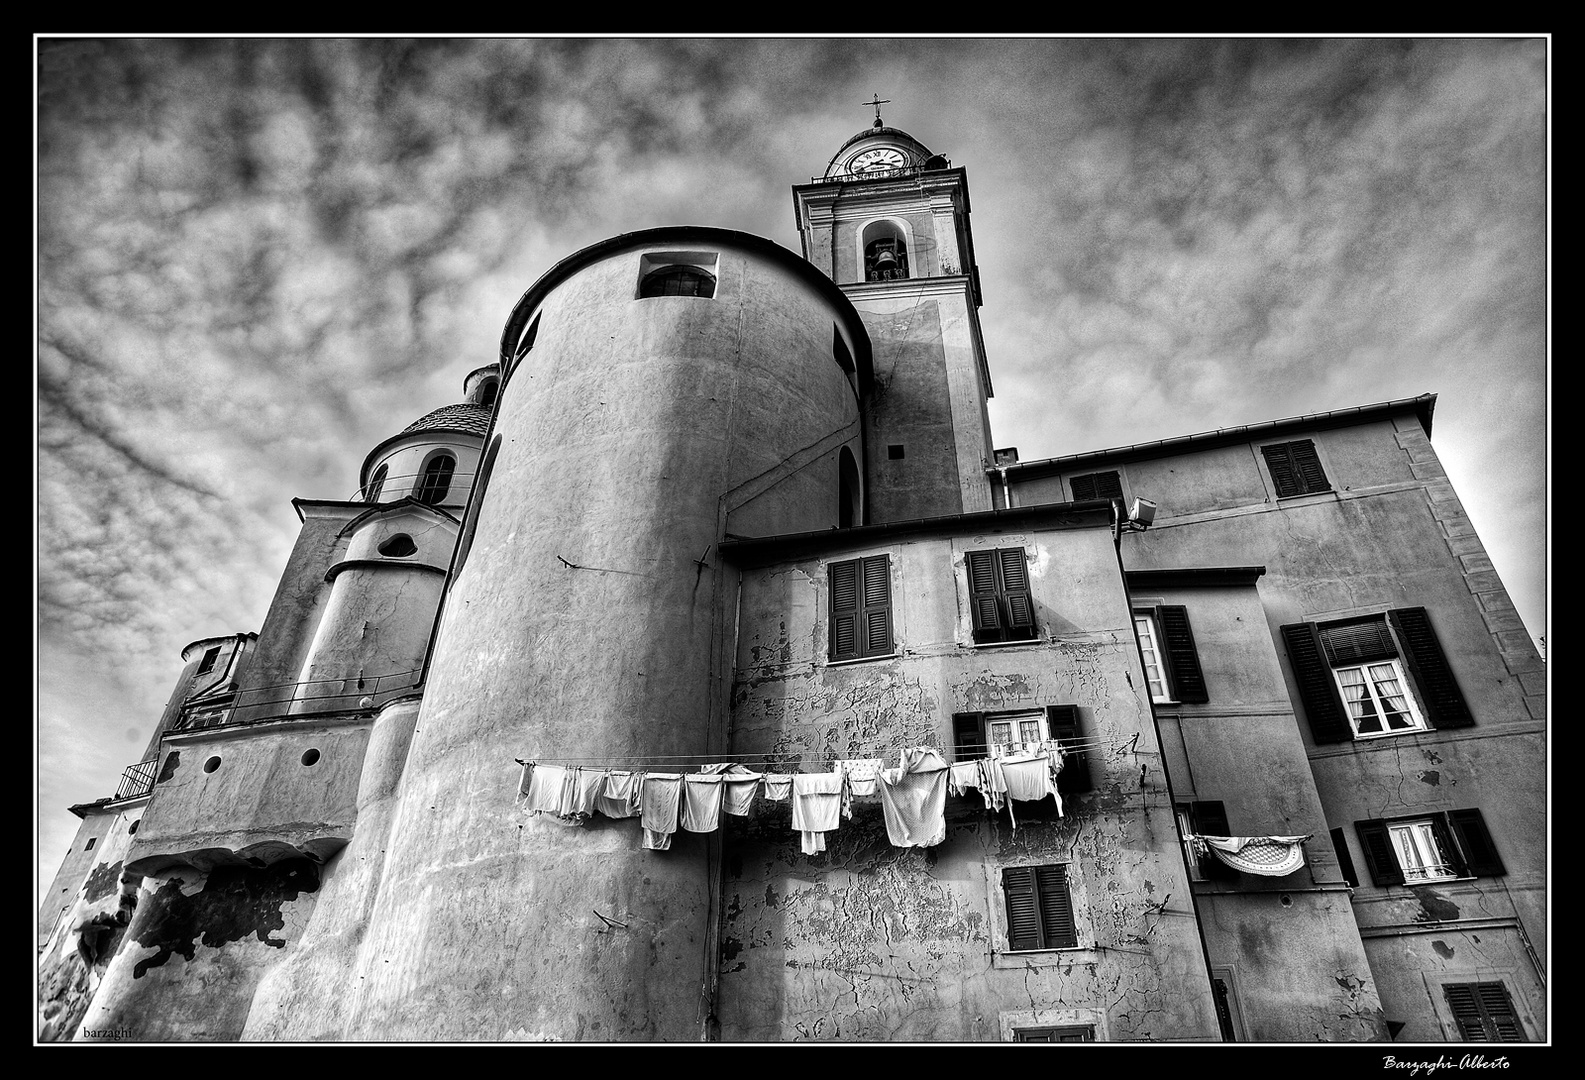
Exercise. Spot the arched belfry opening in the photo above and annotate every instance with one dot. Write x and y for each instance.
(885, 251)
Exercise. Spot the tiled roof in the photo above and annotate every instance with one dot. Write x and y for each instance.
(466, 417)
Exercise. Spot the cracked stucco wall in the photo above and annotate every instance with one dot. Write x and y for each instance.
(868, 942)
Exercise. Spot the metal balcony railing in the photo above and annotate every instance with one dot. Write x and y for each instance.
(454, 491)
(875, 174)
(310, 698)
(137, 779)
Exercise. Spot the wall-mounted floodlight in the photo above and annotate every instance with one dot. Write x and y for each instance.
(1141, 514)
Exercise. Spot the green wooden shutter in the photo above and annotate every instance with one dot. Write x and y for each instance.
(1380, 859)
(1494, 1002)
(1483, 1012)
(1307, 464)
(844, 609)
(1439, 695)
(1063, 723)
(1466, 1011)
(983, 600)
(1345, 861)
(1475, 844)
(1280, 464)
(1058, 930)
(1016, 592)
(1023, 909)
(1183, 661)
(1323, 706)
(968, 735)
(877, 621)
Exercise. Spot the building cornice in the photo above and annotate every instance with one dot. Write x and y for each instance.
(1421, 407)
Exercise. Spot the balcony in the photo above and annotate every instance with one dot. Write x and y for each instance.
(873, 174)
(137, 779)
(318, 697)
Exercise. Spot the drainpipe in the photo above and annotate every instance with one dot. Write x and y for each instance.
(1007, 492)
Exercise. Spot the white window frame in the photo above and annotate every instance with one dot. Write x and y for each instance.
(1149, 635)
(1373, 696)
(1023, 721)
(1419, 856)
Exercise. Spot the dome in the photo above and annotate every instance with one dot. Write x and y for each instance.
(466, 418)
(914, 152)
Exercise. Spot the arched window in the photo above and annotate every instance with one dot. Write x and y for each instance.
(885, 252)
(376, 482)
(678, 281)
(487, 395)
(436, 480)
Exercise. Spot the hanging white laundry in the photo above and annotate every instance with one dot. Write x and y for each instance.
(962, 776)
(914, 798)
(816, 807)
(620, 796)
(701, 801)
(578, 796)
(862, 774)
(547, 786)
(741, 787)
(659, 802)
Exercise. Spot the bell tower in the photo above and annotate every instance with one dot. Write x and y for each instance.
(889, 223)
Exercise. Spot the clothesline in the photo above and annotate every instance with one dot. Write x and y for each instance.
(912, 795)
(790, 758)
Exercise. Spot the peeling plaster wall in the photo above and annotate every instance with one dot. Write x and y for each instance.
(867, 941)
(84, 918)
(196, 948)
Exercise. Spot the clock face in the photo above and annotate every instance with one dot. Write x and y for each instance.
(877, 160)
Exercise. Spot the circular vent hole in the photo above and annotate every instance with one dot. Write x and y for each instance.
(398, 546)
(310, 756)
(212, 764)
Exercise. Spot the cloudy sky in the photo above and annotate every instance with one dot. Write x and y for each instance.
(258, 258)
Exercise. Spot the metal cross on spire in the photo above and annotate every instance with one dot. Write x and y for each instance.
(877, 101)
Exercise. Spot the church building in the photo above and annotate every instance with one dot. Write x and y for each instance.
(708, 673)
